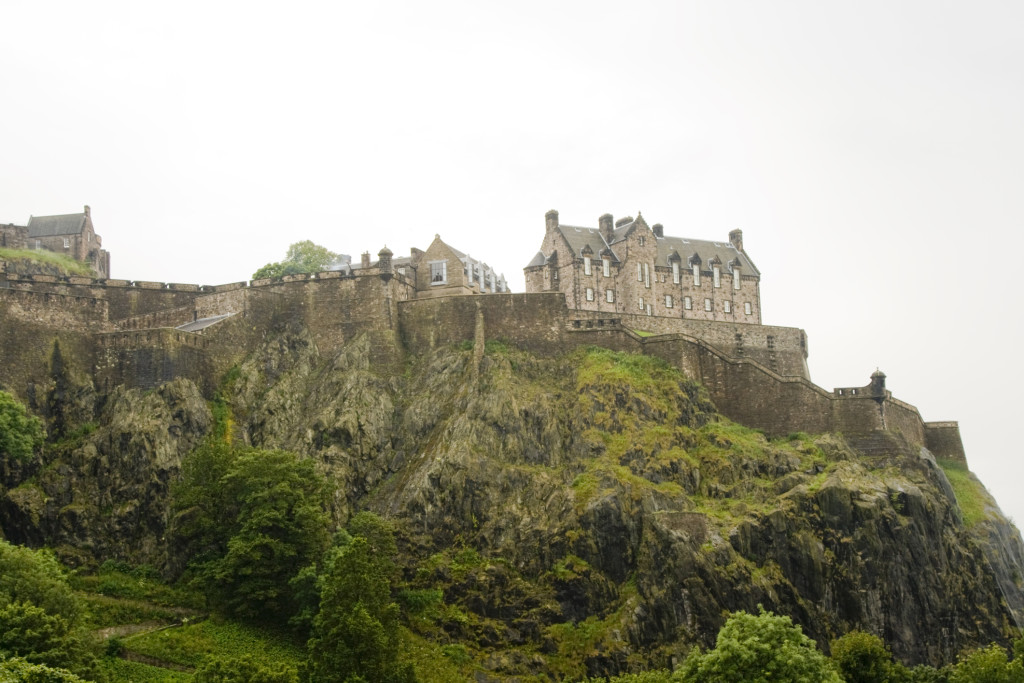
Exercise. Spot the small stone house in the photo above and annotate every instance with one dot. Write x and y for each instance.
(626, 266)
(441, 270)
(71, 234)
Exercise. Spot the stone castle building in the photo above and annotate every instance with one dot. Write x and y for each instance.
(70, 234)
(441, 270)
(626, 266)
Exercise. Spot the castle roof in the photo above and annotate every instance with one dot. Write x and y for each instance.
(50, 226)
(724, 252)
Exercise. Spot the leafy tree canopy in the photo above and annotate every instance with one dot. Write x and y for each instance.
(36, 577)
(863, 658)
(251, 520)
(761, 648)
(20, 432)
(356, 634)
(302, 257)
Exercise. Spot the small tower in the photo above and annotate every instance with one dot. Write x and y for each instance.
(384, 266)
(877, 385)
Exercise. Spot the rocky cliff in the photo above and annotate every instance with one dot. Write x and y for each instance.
(584, 513)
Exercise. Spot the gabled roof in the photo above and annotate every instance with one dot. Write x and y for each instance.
(49, 226)
(709, 251)
(577, 238)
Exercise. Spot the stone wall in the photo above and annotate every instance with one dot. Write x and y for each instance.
(13, 236)
(148, 358)
(943, 440)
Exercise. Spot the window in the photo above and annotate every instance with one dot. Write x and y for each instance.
(609, 295)
(641, 240)
(675, 272)
(606, 265)
(707, 305)
(727, 306)
(648, 309)
(554, 274)
(438, 272)
(38, 244)
(687, 303)
(67, 242)
(647, 276)
(590, 293)
(696, 275)
(716, 275)
(586, 265)
(668, 301)
(736, 277)
(746, 307)
(639, 272)
(641, 303)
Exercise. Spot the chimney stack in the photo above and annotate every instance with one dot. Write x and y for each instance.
(607, 226)
(551, 220)
(365, 260)
(87, 210)
(736, 239)
(659, 231)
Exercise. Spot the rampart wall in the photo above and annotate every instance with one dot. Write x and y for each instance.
(756, 375)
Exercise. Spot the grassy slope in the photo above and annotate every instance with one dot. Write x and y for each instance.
(65, 264)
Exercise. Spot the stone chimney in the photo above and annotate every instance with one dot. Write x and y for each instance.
(365, 260)
(87, 210)
(551, 220)
(607, 225)
(625, 220)
(659, 231)
(736, 239)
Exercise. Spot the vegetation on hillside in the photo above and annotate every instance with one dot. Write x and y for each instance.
(536, 518)
(51, 262)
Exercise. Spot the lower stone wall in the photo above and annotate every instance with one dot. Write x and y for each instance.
(943, 440)
(146, 359)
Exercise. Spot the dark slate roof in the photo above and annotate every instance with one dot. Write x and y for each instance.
(725, 252)
(538, 260)
(582, 237)
(49, 226)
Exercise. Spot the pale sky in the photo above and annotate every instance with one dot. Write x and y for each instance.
(871, 152)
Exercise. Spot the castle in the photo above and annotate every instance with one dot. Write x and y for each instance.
(70, 234)
(141, 334)
(675, 277)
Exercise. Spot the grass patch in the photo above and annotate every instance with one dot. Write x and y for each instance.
(119, 581)
(189, 645)
(66, 264)
(643, 333)
(114, 669)
(971, 496)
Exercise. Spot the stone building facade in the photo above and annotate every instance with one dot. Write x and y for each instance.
(628, 267)
(70, 234)
(441, 270)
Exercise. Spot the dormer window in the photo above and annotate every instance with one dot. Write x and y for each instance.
(675, 272)
(586, 265)
(606, 266)
(716, 275)
(736, 277)
(696, 275)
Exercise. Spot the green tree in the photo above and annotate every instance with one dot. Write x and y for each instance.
(988, 665)
(302, 257)
(356, 634)
(760, 648)
(863, 658)
(252, 521)
(20, 432)
(18, 670)
(39, 613)
(242, 670)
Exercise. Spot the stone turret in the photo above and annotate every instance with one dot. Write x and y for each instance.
(877, 385)
(384, 266)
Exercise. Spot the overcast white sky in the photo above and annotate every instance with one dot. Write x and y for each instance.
(872, 153)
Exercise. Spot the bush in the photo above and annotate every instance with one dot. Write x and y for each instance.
(760, 648)
(20, 432)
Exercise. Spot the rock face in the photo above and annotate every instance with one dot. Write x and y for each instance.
(581, 514)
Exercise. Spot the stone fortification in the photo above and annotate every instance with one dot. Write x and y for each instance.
(142, 334)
